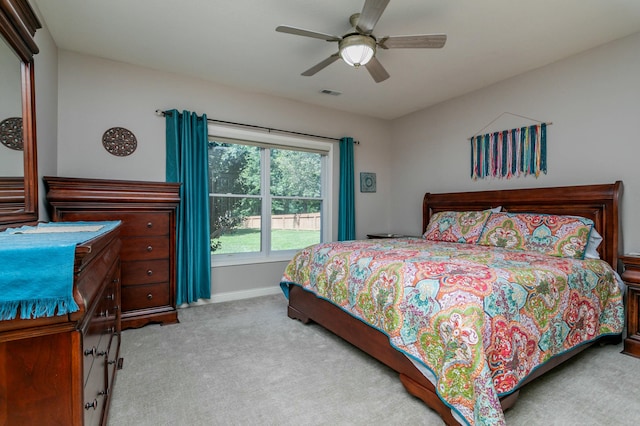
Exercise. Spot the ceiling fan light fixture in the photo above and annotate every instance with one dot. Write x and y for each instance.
(357, 49)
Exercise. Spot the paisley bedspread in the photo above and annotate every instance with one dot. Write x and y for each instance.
(480, 318)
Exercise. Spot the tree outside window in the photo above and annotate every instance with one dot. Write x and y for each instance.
(264, 199)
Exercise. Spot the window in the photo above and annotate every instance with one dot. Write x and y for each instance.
(268, 198)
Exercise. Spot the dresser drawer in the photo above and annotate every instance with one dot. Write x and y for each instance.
(95, 385)
(144, 248)
(90, 348)
(141, 224)
(145, 296)
(103, 324)
(95, 345)
(112, 360)
(145, 271)
(133, 223)
(94, 397)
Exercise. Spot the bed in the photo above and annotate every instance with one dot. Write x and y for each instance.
(442, 314)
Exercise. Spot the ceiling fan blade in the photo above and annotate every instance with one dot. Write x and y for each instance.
(371, 12)
(434, 41)
(314, 69)
(376, 70)
(306, 33)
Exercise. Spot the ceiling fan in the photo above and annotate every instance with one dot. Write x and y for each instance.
(358, 46)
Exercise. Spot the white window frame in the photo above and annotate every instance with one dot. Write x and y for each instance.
(277, 140)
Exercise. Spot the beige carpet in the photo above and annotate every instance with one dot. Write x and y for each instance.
(247, 363)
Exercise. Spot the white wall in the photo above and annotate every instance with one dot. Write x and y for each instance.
(592, 100)
(96, 94)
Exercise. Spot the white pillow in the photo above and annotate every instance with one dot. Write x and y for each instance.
(591, 251)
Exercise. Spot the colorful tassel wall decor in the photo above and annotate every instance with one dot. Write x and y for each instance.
(510, 153)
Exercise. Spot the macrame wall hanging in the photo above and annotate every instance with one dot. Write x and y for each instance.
(510, 153)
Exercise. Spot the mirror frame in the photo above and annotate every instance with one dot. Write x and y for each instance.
(18, 25)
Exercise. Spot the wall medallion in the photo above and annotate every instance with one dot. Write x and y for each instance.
(367, 182)
(11, 133)
(119, 141)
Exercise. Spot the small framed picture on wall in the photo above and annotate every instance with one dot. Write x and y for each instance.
(367, 182)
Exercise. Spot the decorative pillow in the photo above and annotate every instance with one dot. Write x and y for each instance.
(457, 227)
(553, 235)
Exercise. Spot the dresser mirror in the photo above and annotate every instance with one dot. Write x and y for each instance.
(18, 154)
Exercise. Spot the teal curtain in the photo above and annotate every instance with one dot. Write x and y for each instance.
(187, 163)
(346, 204)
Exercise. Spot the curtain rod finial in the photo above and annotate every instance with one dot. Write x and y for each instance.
(159, 113)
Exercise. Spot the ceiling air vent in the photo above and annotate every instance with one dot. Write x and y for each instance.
(331, 92)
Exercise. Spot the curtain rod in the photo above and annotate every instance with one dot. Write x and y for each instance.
(161, 113)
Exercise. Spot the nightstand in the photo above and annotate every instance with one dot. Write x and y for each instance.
(631, 277)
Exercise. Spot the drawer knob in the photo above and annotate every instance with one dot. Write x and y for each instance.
(149, 296)
(149, 272)
(93, 351)
(149, 225)
(90, 405)
(149, 248)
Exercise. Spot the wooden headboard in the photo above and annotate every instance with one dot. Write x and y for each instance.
(599, 203)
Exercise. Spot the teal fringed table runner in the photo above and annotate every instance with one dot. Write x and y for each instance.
(36, 267)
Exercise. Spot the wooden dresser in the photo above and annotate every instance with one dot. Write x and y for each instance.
(61, 370)
(631, 277)
(148, 213)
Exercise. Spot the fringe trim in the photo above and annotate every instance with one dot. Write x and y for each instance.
(30, 309)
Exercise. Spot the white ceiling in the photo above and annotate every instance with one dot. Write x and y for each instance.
(234, 42)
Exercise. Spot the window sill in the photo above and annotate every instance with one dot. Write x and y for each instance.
(235, 260)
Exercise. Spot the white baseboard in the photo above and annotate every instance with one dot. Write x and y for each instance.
(235, 295)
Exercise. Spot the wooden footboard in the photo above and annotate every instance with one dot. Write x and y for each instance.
(306, 307)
